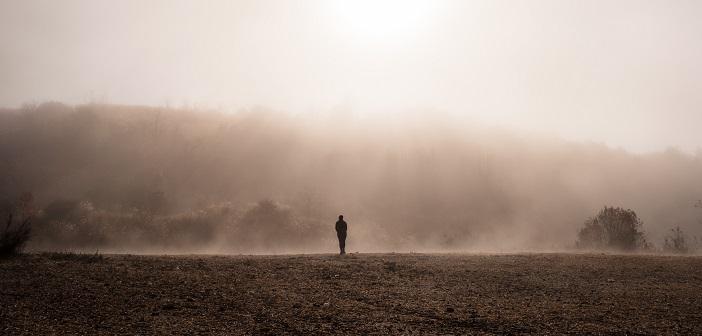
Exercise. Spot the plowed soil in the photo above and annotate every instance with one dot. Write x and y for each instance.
(359, 294)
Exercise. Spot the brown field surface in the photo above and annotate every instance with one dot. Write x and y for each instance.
(381, 294)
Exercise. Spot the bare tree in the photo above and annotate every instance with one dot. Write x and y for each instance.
(15, 234)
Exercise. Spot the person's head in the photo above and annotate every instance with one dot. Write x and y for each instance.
(341, 217)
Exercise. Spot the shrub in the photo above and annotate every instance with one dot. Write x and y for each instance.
(613, 228)
(676, 242)
(14, 236)
(16, 233)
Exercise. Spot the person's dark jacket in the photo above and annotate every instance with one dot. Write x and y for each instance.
(341, 227)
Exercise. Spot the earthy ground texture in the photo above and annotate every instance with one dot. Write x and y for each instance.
(381, 294)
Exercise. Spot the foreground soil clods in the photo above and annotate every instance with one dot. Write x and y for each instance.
(358, 294)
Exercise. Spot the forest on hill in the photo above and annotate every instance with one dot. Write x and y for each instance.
(117, 178)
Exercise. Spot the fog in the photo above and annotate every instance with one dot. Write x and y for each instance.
(139, 178)
(576, 69)
(248, 126)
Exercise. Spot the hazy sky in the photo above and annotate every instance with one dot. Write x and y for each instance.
(627, 73)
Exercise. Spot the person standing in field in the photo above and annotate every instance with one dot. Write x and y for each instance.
(341, 234)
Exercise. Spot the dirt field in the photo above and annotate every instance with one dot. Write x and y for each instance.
(357, 294)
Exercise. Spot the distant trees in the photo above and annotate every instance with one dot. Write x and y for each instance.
(272, 226)
(121, 177)
(613, 228)
(266, 221)
(262, 226)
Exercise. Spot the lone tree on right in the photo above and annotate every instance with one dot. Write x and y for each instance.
(613, 228)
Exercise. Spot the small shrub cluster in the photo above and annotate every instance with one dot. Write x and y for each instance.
(613, 228)
(17, 229)
(14, 236)
(678, 242)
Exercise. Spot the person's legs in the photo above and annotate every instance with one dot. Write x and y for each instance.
(342, 243)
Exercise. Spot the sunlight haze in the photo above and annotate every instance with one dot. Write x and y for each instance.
(350, 167)
(624, 73)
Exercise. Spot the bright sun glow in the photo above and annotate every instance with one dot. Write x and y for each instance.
(382, 19)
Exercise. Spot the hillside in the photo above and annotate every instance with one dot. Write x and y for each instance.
(165, 179)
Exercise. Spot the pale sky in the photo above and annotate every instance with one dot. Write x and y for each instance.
(625, 73)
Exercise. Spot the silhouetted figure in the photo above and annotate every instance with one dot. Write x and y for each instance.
(341, 234)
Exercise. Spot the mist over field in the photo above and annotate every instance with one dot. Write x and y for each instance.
(248, 126)
(152, 179)
(350, 167)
